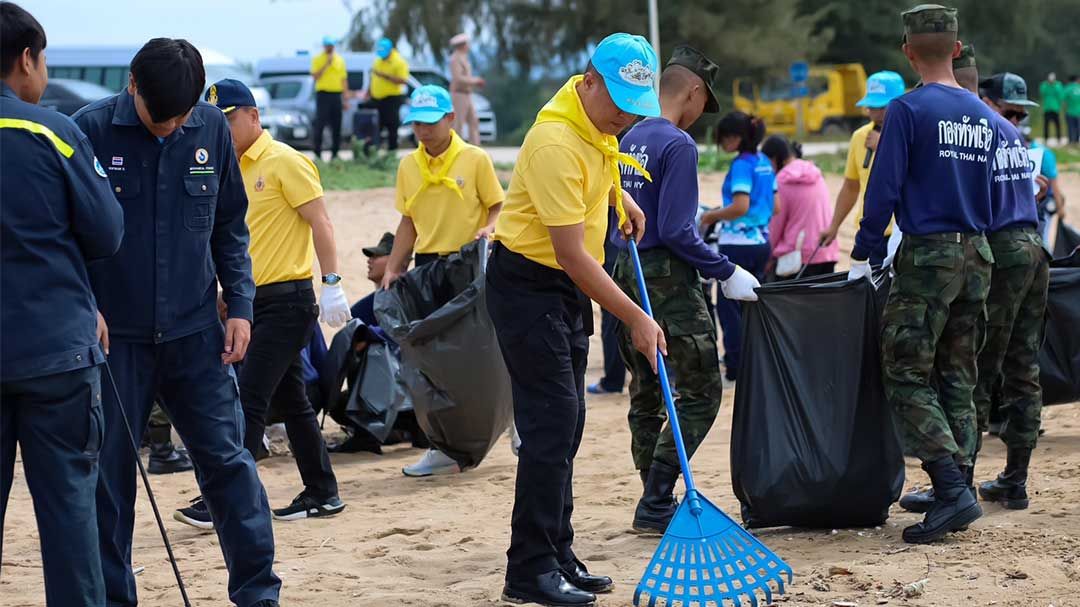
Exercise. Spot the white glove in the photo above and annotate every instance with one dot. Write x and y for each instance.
(740, 286)
(892, 246)
(333, 306)
(858, 269)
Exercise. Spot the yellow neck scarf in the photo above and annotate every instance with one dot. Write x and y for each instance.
(423, 160)
(565, 107)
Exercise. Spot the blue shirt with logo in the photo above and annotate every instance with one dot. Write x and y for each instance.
(1012, 193)
(751, 174)
(932, 167)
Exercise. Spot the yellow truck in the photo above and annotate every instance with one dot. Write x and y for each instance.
(829, 108)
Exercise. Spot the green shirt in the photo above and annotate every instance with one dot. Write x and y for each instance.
(1052, 93)
(1072, 100)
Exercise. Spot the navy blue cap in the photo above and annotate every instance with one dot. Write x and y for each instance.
(229, 94)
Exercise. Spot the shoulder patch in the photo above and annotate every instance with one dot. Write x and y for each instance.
(100, 170)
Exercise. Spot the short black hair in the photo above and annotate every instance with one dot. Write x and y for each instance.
(170, 77)
(934, 46)
(749, 129)
(19, 30)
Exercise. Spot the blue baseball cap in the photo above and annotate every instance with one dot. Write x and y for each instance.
(383, 48)
(328, 41)
(629, 68)
(229, 94)
(429, 104)
(881, 88)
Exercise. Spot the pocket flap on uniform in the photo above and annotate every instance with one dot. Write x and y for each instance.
(655, 266)
(688, 325)
(905, 314)
(201, 185)
(125, 186)
(943, 256)
(1012, 255)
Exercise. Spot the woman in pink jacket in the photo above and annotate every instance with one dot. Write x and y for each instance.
(805, 210)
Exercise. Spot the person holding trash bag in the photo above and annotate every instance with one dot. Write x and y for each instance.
(933, 169)
(674, 258)
(448, 196)
(289, 224)
(545, 266)
(58, 214)
(804, 212)
(749, 198)
(174, 171)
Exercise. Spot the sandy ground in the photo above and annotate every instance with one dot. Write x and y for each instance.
(441, 541)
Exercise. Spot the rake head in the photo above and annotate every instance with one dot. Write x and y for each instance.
(706, 559)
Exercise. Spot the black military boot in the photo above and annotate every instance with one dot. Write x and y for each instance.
(656, 508)
(1010, 487)
(954, 507)
(164, 457)
(921, 501)
(644, 474)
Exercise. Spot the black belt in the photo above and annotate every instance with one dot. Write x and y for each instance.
(956, 237)
(283, 288)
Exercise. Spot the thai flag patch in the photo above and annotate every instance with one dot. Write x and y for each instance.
(118, 161)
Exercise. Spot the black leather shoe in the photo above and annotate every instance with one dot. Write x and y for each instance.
(578, 575)
(954, 506)
(550, 589)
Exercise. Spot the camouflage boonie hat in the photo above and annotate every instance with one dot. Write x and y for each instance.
(929, 19)
(966, 58)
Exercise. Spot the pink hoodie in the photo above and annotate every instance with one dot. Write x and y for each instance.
(804, 205)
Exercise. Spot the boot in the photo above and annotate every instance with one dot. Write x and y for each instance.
(953, 509)
(656, 508)
(1010, 487)
(164, 457)
(920, 502)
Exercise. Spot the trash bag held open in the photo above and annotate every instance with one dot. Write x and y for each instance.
(813, 439)
(450, 358)
(1059, 358)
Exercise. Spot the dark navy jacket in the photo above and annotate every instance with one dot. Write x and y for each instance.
(184, 207)
(56, 213)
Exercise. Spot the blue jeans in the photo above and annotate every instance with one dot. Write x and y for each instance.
(751, 258)
(57, 422)
(200, 395)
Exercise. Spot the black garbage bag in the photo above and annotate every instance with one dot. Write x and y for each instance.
(1059, 359)
(1066, 241)
(813, 443)
(450, 359)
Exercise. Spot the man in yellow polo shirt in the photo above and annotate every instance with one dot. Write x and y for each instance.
(331, 95)
(448, 195)
(545, 267)
(389, 77)
(288, 223)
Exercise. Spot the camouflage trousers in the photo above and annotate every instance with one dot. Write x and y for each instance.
(158, 418)
(1009, 360)
(678, 304)
(933, 327)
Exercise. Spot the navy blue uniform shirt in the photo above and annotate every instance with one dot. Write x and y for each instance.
(184, 207)
(1012, 192)
(56, 213)
(932, 167)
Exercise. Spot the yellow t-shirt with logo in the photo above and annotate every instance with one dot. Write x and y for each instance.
(444, 221)
(278, 180)
(854, 170)
(394, 65)
(333, 79)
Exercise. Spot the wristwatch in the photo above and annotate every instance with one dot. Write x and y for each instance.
(331, 279)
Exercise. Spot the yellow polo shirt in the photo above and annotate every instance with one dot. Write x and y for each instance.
(394, 65)
(333, 79)
(854, 170)
(278, 180)
(444, 221)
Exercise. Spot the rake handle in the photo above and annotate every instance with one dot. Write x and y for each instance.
(665, 387)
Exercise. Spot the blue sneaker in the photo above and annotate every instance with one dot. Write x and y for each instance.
(598, 388)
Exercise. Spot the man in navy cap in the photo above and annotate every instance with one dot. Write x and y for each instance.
(173, 169)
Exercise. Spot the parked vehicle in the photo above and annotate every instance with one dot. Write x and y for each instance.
(69, 96)
(829, 108)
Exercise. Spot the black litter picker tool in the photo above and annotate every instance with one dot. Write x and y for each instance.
(705, 559)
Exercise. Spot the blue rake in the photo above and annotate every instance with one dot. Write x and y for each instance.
(705, 558)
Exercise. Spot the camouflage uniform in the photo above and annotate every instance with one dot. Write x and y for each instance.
(1015, 306)
(158, 418)
(679, 308)
(934, 324)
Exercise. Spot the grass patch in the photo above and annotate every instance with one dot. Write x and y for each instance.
(364, 172)
(1068, 157)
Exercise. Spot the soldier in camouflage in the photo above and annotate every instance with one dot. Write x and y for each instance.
(674, 258)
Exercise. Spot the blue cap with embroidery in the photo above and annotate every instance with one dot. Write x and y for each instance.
(629, 68)
(881, 88)
(383, 48)
(429, 104)
(229, 94)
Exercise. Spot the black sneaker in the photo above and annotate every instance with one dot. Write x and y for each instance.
(305, 506)
(197, 515)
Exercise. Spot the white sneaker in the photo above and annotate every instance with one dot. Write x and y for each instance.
(432, 463)
(515, 439)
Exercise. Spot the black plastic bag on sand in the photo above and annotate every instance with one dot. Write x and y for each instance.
(450, 358)
(1066, 241)
(1059, 359)
(813, 443)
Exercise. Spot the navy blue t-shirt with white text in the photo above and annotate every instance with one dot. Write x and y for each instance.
(1012, 193)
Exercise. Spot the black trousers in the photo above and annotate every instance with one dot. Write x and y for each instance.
(543, 332)
(614, 379)
(284, 323)
(1048, 119)
(327, 114)
(390, 118)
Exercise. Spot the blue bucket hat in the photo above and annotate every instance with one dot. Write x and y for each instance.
(629, 68)
(881, 88)
(328, 41)
(383, 48)
(429, 104)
